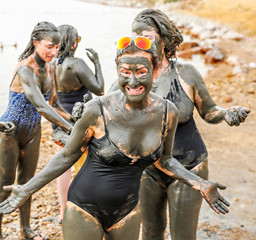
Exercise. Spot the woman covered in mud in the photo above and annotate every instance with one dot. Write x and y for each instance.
(31, 87)
(182, 84)
(125, 132)
(74, 79)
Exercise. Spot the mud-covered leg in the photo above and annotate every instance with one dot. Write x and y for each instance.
(26, 170)
(153, 201)
(184, 206)
(9, 153)
(80, 225)
(127, 228)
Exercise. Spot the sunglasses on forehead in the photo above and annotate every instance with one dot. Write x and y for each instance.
(142, 43)
(79, 38)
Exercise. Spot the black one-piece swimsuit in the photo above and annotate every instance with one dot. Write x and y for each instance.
(107, 185)
(188, 147)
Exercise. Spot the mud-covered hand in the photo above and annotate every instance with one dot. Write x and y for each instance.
(209, 191)
(17, 198)
(93, 55)
(78, 108)
(236, 115)
(77, 111)
(7, 127)
(60, 136)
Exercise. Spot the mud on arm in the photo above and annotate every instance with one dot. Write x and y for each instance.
(208, 109)
(93, 82)
(35, 96)
(57, 165)
(175, 169)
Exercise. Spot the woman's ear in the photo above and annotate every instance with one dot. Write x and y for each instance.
(35, 43)
(74, 46)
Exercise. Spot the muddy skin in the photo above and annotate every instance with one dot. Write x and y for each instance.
(135, 71)
(176, 78)
(74, 73)
(60, 136)
(147, 128)
(73, 80)
(33, 84)
(148, 32)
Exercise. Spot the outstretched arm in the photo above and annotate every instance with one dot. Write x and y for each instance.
(205, 105)
(34, 95)
(63, 160)
(175, 169)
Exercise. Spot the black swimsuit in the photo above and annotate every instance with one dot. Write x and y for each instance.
(108, 183)
(188, 148)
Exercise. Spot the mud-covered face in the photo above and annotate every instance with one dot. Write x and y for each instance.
(143, 29)
(135, 75)
(48, 47)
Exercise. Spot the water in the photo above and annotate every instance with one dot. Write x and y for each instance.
(100, 26)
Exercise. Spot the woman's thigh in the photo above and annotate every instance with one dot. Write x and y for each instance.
(153, 202)
(127, 228)
(29, 158)
(184, 206)
(80, 225)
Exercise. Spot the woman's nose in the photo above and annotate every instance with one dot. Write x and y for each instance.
(133, 81)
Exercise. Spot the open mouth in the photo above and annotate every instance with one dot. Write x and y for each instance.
(135, 91)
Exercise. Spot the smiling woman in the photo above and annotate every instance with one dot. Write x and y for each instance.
(32, 85)
(103, 197)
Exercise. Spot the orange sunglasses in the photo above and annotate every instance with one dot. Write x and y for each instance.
(142, 43)
(79, 38)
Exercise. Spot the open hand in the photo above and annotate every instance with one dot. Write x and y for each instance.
(236, 115)
(214, 199)
(93, 55)
(17, 198)
(7, 127)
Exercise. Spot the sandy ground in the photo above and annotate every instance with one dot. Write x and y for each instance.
(231, 158)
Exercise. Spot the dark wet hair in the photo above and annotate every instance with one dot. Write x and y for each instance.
(68, 37)
(40, 31)
(164, 27)
(132, 48)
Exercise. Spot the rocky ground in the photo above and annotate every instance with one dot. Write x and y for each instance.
(231, 80)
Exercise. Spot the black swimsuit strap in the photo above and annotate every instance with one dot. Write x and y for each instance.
(104, 120)
(50, 74)
(164, 122)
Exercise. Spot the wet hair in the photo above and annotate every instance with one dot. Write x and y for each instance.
(68, 37)
(166, 28)
(40, 31)
(132, 48)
